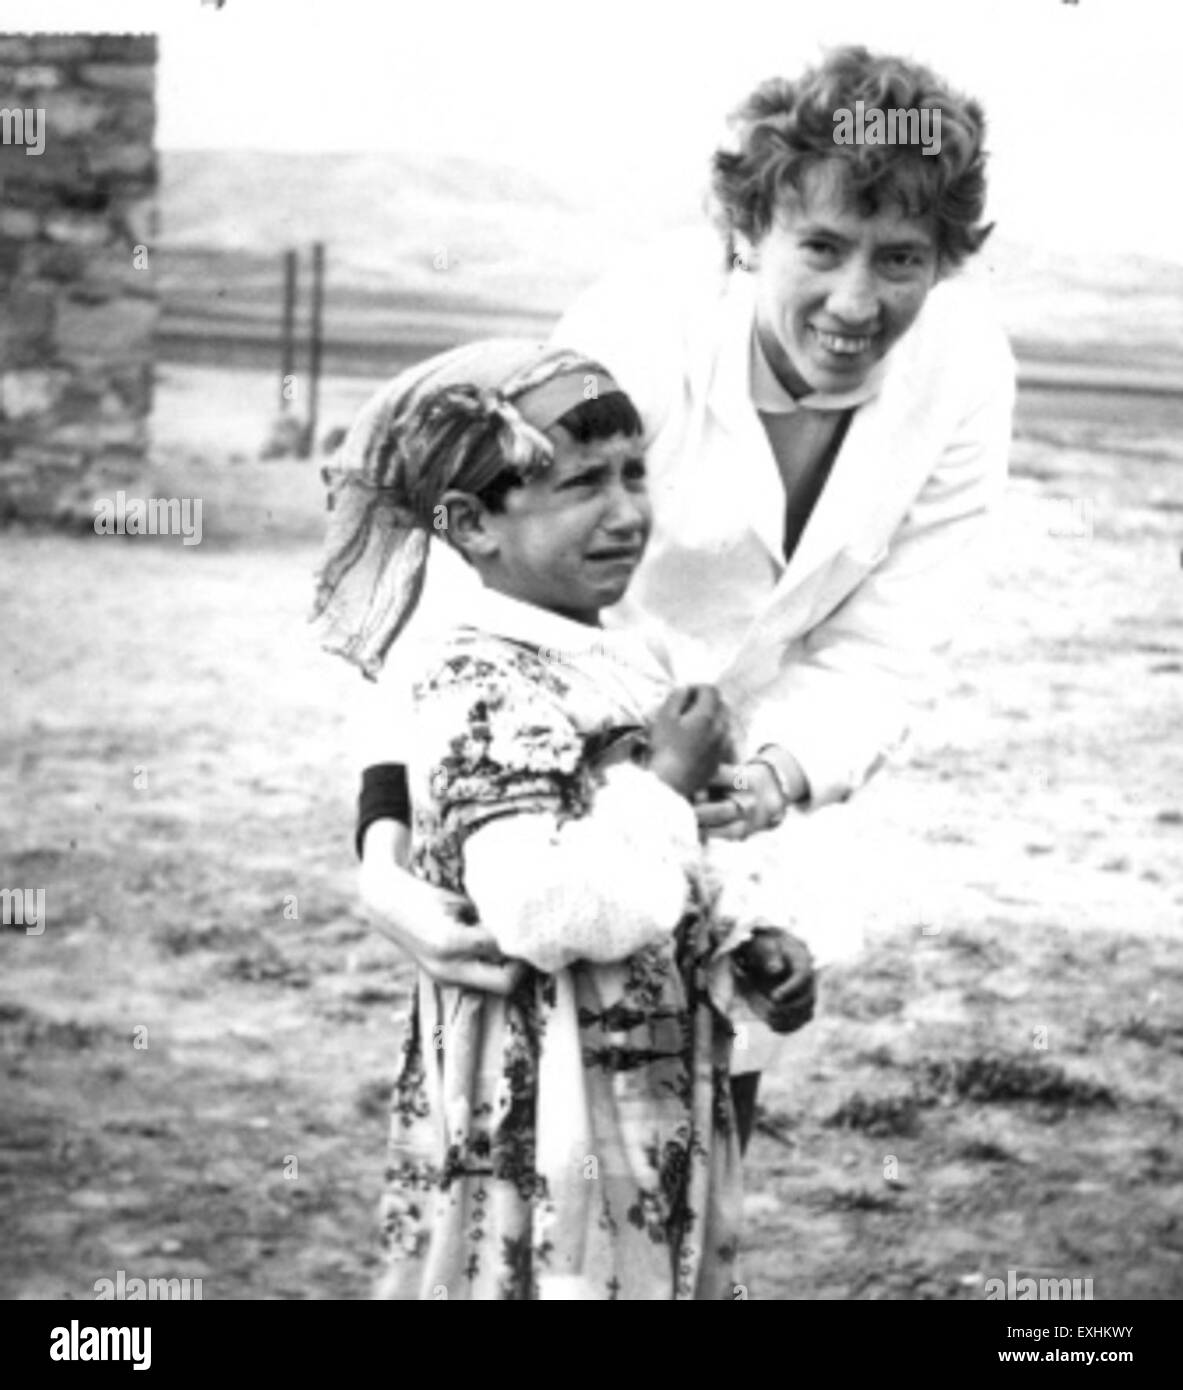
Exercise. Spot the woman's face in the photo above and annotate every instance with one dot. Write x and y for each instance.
(836, 289)
(570, 539)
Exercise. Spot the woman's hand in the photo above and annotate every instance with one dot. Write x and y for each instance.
(689, 737)
(437, 929)
(741, 801)
(745, 799)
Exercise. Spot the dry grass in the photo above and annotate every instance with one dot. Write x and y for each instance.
(183, 791)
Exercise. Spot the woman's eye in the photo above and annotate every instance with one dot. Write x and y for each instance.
(905, 260)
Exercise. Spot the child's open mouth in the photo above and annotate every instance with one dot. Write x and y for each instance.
(621, 555)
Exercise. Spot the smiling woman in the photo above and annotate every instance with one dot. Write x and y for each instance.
(826, 393)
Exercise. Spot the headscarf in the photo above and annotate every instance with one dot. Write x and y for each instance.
(385, 485)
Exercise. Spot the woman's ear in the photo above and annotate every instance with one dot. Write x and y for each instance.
(460, 519)
(744, 255)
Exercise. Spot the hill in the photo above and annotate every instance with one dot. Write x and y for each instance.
(423, 245)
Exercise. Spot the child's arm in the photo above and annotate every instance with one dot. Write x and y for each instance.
(560, 864)
(598, 887)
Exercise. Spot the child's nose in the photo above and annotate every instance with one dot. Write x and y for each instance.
(627, 510)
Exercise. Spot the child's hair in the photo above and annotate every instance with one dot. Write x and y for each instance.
(786, 128)
(489, 444)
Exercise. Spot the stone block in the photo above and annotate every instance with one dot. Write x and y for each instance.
(125, 158)
(113, 469)
(62, 165)
(53, 262)
(16, 50)
(28, 394)
(58, 48)
(19, 223)
(119, 331)
(81, 398)
(33, 76)
(110, 273)
(133, 123)
(133, 386)
(14, 257)
(70, 114)
(125, 48)
(122, 435)
(26, 326)
(120, 77)
(79, 228)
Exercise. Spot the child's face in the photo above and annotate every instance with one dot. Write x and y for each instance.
(570, 539)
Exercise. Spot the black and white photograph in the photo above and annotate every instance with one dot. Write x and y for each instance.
(593, 702)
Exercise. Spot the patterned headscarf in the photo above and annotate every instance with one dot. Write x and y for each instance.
(454, 421)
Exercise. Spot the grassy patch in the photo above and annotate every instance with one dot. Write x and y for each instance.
(880, 1117)
(1000, 1080)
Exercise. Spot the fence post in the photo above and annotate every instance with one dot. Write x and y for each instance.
(287, 361)
(315, 341)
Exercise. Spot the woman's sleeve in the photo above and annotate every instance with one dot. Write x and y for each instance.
(632, 321)
(561, 863)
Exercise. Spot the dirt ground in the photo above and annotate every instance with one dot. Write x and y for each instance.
(198, 1049)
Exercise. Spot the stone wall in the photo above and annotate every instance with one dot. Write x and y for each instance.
(77, 298)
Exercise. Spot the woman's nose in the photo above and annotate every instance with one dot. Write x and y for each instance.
(854, 296)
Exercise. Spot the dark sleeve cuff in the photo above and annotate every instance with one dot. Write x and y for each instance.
(383, 796)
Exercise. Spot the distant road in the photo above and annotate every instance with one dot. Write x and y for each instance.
(373, 357)
(1088, 377)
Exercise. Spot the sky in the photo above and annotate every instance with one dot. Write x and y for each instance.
(624, 99)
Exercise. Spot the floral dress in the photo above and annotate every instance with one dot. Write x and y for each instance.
(575, 1139)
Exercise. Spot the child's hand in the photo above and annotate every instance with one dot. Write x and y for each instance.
(690, 737)
(777, 966)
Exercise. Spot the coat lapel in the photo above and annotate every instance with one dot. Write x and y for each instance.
(855, 487)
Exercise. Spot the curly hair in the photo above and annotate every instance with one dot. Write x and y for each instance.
(786, 129)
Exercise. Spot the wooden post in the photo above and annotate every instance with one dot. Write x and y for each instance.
(287, 361)
(315, 341)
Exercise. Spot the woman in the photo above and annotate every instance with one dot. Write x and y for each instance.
(827, 413)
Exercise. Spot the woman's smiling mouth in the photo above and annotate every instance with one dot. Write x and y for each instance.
(843, 344)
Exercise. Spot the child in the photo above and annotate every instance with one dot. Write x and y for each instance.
(574, 1139)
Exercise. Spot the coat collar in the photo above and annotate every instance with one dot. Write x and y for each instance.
(853, 487)
(741, 380)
